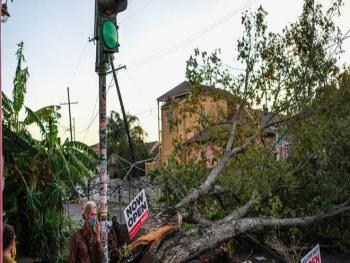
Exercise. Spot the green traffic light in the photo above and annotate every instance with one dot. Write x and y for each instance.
(110, 34)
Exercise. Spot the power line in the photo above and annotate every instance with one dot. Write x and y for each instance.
(93, 117)
(234, 68)
(136, 12)
(133, 82)
(192, 38)
(345, 37)
(177, 46)
(78, 65)
(146, 111)
(79, 61)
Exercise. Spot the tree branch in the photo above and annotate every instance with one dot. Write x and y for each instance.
(232, 135)
(241, 211)
(195, 218)
(206, 186)
(266, 222)
(185, 246)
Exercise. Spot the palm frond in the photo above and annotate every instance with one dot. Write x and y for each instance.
(81, 147)
(77, 176)
(20, 81)
(57, 194)
(32, 197)
(52, 133)
(84, 159)
(19, 88)
(83, 170)
(61, 165)
(7, 107)
(33, 118)
(48, 112)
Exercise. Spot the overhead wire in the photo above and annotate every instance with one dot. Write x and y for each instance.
(345, 37)
(79, 62)
(77, 67)
(193, 37)
(93, 117)
(136, 12)
(133, 82)
(174, 48)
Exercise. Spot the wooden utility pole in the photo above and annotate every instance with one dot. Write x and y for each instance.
(126, 124)
(101, 69)
(70, 118)
(106, 37)
(74, 129)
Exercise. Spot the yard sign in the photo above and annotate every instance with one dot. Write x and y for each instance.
(314, 256)
(136, 213)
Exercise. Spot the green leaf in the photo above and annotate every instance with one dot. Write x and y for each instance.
(20, 81)
(82, 147)
(33, 118)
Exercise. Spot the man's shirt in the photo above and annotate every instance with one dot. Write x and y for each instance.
(84, 247)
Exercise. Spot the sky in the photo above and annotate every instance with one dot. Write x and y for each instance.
(156, 39)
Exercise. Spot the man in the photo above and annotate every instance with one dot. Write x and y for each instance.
(86, 245)
(9, 244)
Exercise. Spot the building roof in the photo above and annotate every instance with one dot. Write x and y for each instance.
(185, 88)
(153, 148)
(180, 89)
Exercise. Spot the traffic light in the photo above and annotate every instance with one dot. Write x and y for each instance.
(108, 35)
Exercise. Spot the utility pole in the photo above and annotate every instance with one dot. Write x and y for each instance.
(106, 36)
(74, 129)
(101, 69)
(126, 124)
(70, 119)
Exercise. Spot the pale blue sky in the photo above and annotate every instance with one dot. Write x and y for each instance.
(156, 38)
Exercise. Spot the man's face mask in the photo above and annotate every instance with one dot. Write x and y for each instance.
(92, 222)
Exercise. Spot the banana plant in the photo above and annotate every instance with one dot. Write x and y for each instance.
(43, 173)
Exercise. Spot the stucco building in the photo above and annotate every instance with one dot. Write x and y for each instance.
(183, 116)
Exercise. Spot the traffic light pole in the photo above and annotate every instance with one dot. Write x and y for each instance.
(101, 69)
(106, 36)
(103, 162)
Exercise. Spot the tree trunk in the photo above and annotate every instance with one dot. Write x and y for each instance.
(183, 246)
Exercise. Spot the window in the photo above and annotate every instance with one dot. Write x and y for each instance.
(170, 116)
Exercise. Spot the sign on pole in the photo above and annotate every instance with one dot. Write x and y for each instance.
(314, 256)
(136, 213)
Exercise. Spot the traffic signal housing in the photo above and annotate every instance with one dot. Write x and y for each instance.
(108, 28)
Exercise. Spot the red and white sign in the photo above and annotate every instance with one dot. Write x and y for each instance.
(136, 213)
(314, 256)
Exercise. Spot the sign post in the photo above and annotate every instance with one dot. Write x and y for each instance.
(314, 256)
(136, 213)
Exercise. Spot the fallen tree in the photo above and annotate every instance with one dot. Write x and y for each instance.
(306, 95)
(189, 245)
